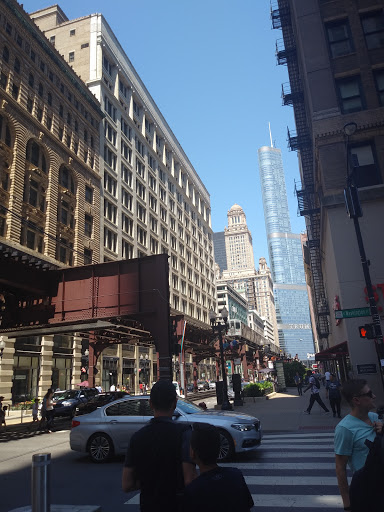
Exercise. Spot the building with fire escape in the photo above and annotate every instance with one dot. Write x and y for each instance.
(334, 53)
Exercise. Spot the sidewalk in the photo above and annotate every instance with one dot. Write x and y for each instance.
(285, 412)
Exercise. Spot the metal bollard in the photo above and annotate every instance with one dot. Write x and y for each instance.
(41, 482)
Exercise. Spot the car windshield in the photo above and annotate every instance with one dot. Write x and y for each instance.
(65, 395)
(187, 407)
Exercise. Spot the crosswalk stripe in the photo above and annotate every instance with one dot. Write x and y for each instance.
(281, 465)
(301, 455)
(298, 436)
(299, 446)
(291, 480)
(320, 442)
(135, 500)
(269, 501)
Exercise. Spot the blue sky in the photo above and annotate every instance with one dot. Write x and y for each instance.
(210, 66)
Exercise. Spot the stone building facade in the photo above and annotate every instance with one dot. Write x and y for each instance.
(153, 200)
(49, 185)
(334, 53)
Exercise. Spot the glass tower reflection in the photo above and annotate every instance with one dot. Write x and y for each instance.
(286, 260)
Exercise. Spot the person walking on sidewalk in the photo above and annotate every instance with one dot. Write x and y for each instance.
(352, 432)
(314, 386)
(299, 384)
(334, 395)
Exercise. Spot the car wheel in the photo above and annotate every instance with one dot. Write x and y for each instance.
(226, 447)
(100, 447)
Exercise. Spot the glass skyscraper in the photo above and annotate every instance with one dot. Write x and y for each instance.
(219, 250)
(286, 260)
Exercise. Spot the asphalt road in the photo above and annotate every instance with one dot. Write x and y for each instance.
(75, 479)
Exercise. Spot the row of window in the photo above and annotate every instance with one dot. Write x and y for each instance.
(340, 37)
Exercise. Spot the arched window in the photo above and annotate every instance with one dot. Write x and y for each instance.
(66, 216)
(34, 205)
(66, 179)
(35, 155)
(5, 54)
(16, 65)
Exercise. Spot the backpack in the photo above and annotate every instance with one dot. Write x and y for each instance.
(366, 489)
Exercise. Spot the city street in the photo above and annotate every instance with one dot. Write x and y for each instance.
(290, 470)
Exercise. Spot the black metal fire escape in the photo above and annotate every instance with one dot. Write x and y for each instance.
(308, 200)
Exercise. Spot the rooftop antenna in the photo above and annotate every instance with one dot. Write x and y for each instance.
(270, 134)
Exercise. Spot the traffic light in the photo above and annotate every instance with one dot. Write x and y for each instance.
(367, 331)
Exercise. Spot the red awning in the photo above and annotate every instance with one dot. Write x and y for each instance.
(335, 352)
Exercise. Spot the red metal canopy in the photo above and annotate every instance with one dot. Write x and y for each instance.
(335, 352)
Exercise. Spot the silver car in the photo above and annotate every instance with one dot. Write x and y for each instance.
(108, 430)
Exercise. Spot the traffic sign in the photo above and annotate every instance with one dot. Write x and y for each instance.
(352, 313)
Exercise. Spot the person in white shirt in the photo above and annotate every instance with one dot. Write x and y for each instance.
(327, 378)
(112, 388)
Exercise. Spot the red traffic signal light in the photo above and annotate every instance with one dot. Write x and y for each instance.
(367, 331)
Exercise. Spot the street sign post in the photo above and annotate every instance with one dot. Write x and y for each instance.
(352, 313)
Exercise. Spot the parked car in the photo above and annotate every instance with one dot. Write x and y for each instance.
(202, 385)
(98, 401)
(212, 384)
(107, 430)
(65, 402)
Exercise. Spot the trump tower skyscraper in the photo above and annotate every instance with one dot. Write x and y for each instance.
(286, 260)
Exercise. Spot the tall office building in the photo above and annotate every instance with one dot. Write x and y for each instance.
(238, 246)
(334, 54)
(219, 250)
(153, 200)
(285, 254)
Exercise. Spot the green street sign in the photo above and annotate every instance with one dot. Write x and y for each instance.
(352, 313)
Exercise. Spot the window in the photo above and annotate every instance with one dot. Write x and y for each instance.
(49, 96)
(52, 40)
(126, 129)
(126, 175)
(15, 94)
(366, 172)
(127, 250)
(110, 240)
(350, 94)
(48, 121)
(110, 157)
(109, 108)
(110, 133)
(110, 211)
(110, 184)
(153, 223)
(87, 256)
(84, 45)
(140, 190)
(126, 199)
(141, 236)
(373, 28)
(136, 108)
(127, 224)
(339, 38)
(36, 156)
(41, 90)
(139, 146)
(5, 54)
(88, 194)
(126, 408)
(140, 169)
(126, 152)
(72, 32)
(3, 80)
(107, 65)
(88, 226)
(141, 212)
(71, 56)
(379, 78)
(16, 65)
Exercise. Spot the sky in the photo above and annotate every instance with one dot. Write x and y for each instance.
(210, 66)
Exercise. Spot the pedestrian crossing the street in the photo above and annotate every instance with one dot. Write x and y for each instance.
(290, 471)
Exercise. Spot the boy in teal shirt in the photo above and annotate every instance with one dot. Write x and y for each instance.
(353, 430)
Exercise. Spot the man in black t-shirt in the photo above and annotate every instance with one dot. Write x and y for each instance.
(217, 488)
(157, 460)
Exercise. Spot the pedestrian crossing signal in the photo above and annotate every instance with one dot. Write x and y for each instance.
(367, 331)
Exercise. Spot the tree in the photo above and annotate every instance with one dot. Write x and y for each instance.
(290, 370)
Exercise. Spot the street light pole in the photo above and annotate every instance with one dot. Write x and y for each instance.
(354, 211)
(219, 327)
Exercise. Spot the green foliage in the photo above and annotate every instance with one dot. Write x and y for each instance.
(290, 370)
(258, 389)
